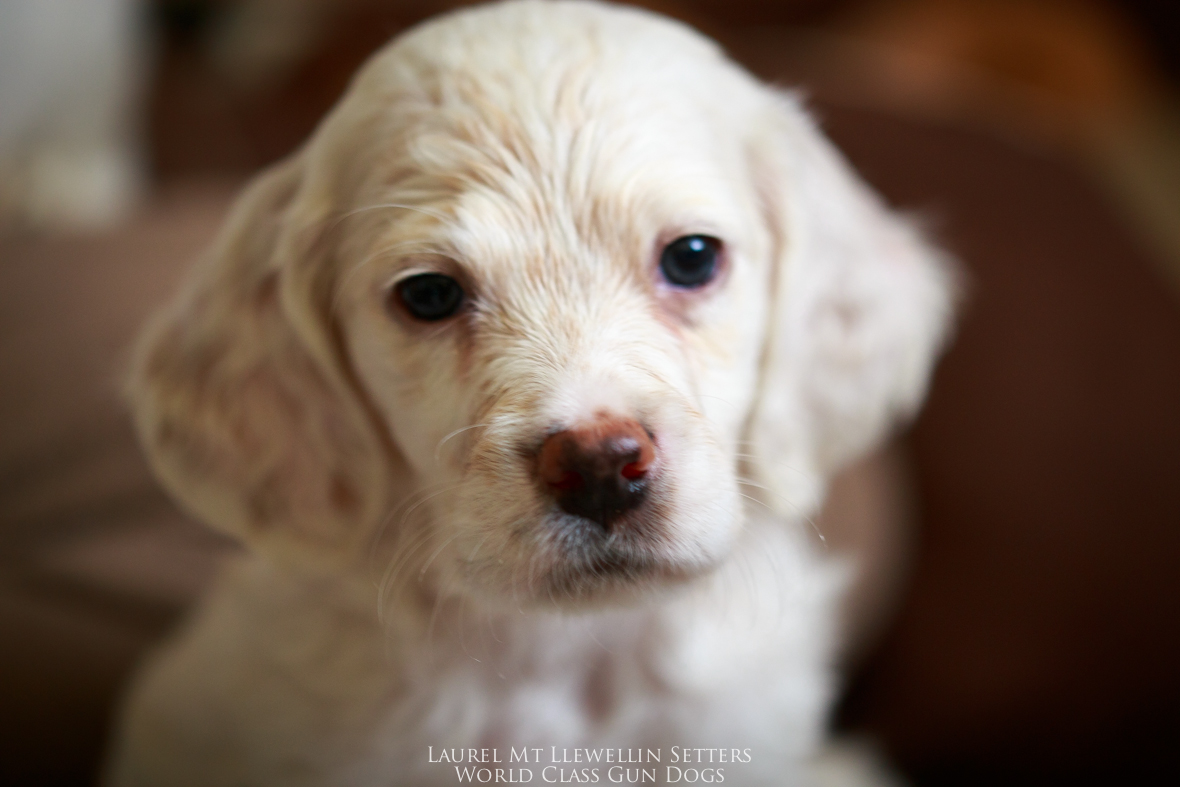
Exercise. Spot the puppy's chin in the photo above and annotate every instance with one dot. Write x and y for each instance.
(588, 565)
(571, 563)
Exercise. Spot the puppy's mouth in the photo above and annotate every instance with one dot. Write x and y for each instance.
(553, 559)
(586, 562)
(614, 576)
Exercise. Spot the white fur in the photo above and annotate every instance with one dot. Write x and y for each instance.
(410, 584)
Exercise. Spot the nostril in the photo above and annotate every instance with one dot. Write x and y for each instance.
(555, 463)
(633, 470)
(568, 480)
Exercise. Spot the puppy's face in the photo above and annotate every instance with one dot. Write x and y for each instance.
(557, 308)
(548, 278)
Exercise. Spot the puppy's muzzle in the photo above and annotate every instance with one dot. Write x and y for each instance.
(600, 469)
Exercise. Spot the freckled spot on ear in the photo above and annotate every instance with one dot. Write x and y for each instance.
(167, 435)
(848, 314)
(343, 495)
(266, 294)
(265, 507)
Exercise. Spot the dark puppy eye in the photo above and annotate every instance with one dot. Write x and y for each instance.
(691, 261)
(430, 296)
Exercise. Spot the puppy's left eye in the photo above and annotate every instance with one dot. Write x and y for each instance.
(691, 261)
(430, 296)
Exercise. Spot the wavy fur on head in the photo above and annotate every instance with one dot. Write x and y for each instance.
(412, 583)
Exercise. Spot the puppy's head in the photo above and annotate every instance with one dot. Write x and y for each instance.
(551, 283)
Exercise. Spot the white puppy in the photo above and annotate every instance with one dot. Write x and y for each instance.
(520, 380)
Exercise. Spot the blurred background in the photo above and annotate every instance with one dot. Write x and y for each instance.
(1035, 637)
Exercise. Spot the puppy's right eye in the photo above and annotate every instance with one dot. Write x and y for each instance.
(691, 262)
(430, 296)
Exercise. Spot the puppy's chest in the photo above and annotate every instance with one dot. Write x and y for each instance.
(699, 669)
(739, 660)
(510, 683)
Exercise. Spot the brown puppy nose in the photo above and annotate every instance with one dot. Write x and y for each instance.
(598, 469)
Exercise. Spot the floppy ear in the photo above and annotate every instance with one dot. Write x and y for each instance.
(242, 399)
(861, 305)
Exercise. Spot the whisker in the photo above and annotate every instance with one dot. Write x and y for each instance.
(394, 512)
(778, 462)
(756, 500)
(798, 512)
(402, 559)
(403, 553)
(437, 552)
(438, 602)
(484, 540)
(463, 629)
(718, 398)
(438, 448)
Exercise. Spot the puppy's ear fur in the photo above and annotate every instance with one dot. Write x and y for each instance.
(241, 397)
(861, 306)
